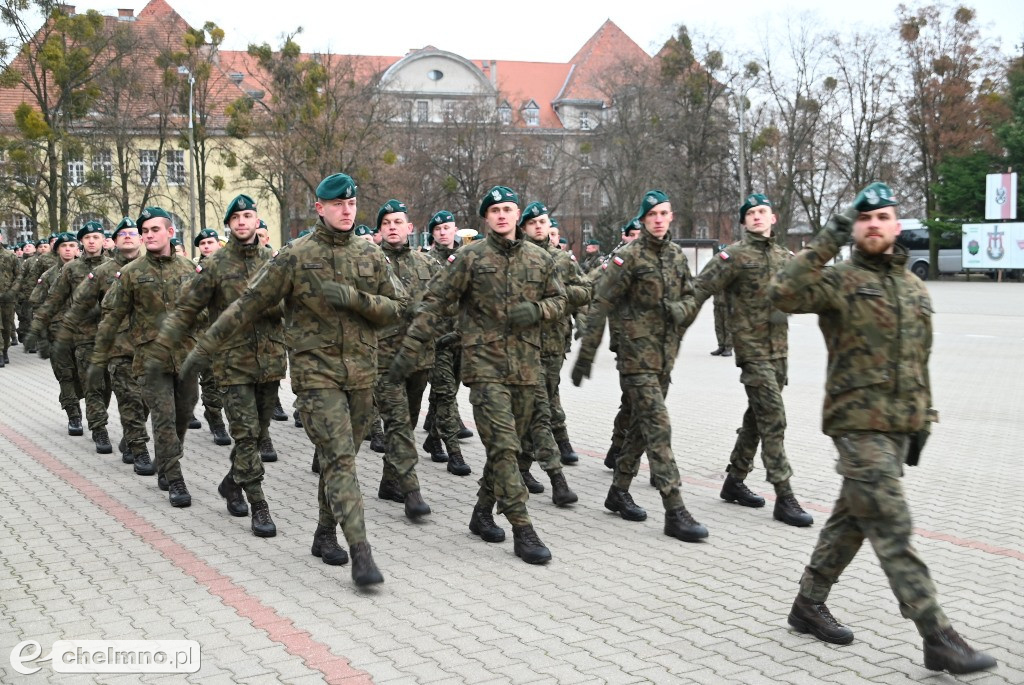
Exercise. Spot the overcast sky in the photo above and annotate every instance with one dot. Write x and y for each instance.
(534, 30)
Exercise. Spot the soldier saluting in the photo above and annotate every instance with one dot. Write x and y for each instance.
(876, 318)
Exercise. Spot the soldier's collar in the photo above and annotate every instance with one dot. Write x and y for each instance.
(331, 235)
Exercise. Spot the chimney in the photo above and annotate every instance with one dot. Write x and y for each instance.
(126, 14)
(494, 73)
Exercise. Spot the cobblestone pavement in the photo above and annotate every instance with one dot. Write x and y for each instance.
(91, 551)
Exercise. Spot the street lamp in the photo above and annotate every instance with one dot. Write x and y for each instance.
(183, 70)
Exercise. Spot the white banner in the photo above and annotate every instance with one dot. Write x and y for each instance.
(1001, 196)
(993, 246)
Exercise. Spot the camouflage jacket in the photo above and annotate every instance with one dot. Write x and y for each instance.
(441, 255)
(144, 292)
(743, 271)
(85, 305)
(328, 348)
(636, 284)
(254, 353)
(555, 334)
(59, 298)
(414, 269)
(877, 321)
(33, 269)
(591, 261)
(10, 269)
(487, 278)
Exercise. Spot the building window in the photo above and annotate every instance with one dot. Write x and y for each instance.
(83, 219)
(449, 110)
(148, 161)
(584, 121)
(586, 194)
(178, 222)
(176, 167)
(702, 232)
(435, 75)
(588, 231)
(408, 110)
(547, 156)
(422, 111)
(531, 114)
(16, 228)
(585, 159)
(505, 113)
(76, 172)
(102, 165)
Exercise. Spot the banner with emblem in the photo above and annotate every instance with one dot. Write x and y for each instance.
(993, 246)
(1001, 196)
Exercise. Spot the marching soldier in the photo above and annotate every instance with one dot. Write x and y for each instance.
(10, 270)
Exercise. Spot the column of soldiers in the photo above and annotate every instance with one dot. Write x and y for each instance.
(368, 326)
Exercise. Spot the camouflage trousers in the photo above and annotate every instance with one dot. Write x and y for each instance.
(332, 419)
(7, 326)
(249, 407)
(871, 505)
(650, 429)
(66, 372)
(539, 443)
(415, 386)
(171, 400)
(400, 455)
(552, 364)
(722, 333)
(24, 318)
(210, 395)
(444, 389)
(764, 422)
(97, 399)
(130, 404)
(620, 425)
(502, 414)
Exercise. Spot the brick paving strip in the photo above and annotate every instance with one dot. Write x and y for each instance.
(278, 628)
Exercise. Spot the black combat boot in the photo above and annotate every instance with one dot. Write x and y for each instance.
(727, 352)
(568, 454)
(377, 442)
(262, 525)
(528, 546)
(143, 465)
(178, 494)
(161, 482)
(482, 524)
(193, 423)
(325, 546)
(220, 433)
(816, 619)
(531, 483)
(789, 511)
(717, 352)
(315, 467)
(126, 453)
(415, 507)
(364, 571)
(613, 454)
(561, 494)
(279, 414)
(737, 491)
(298, 424)
(464, 433)
(457, 466)
(7, 359)
(947, 651)
(389, 490)
(435, 449)
(3, 357)
(75, 421)
(102, 441)
(680, 525)
(267, 451)
(232, 492)
(621, 502)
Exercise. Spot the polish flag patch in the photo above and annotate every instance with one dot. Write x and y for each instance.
(724, 255)
(451, 258)
(117, 275)
(199, 268)
(91, 276)
(619, 261)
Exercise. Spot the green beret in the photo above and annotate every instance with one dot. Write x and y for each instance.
(263, 224)
(563, 241)
(554, 221)
(108, 234)
(123, 223)
(90, 227)
(652, 198)
(62, 238)
(337, 186)
(479, 236)
(363, 229)
(241, 203)
(20, 245)
(152, 213)
(875, 196)
(442, 217)
(204, 234)
(42, 241)
(634, 225)
(495, 195)
(390, 207)
(593, 242)
(755, 200)
(304, 232)
(532, 211)
(53, 236)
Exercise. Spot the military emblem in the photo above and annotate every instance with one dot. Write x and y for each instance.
(496, 194)
(146, 214)
(995, 249)
(451, 258)
(619, 261)
(871, 196)
(1000, 196)
(242, 204)
(973, 247)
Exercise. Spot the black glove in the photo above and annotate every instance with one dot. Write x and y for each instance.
(338, 295)
(840, 226)
(31, 341)
(581, 370)
(404, 362)
(777, 316)
(524, 314)
(95, 376)
(447, 340)
(197, 361)
(918, 439)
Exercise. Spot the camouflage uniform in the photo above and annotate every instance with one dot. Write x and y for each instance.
(444, 376)
(84, 305)
(250, 363)
(876, 318)
(722, 333)
(31, 271)
(58, 299)
(210, 393)
(501, 366)
(145, 292)
(10, 269)
(62, 363)
(399, 403)
(741, 272)
(638, 283)
(333, 353)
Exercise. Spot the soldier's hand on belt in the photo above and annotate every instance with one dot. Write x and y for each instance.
(580, 370)
(197, 361)
(524, 314)
(404, 362)
(338, 295)
(95, 376)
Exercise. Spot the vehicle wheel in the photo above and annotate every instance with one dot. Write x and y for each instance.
(920, 269)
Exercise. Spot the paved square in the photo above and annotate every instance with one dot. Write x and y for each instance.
(90, 551)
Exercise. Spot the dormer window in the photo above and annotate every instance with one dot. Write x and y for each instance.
(505, 113)
(531, 114)
(584, 121)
